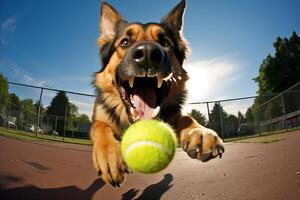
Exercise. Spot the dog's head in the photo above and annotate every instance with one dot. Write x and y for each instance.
(141, 75)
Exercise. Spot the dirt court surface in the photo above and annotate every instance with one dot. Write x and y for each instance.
(48, 170)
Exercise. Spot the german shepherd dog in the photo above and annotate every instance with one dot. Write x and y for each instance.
(142, 78)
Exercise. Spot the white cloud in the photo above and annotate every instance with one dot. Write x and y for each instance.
(233, 107)
(208, 77)
(73, 78)
(21, 75)
(84, 106)
(8, 28)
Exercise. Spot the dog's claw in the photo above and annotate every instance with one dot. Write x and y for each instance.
(221, 150)
(203, 144)
(206, 157)
(192, 153)
(185, 145)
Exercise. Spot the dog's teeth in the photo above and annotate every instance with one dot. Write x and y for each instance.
(134, 112)
(141, 75)
(159, 82)
(131, 81)
(155, 112)
(131, 99)
(168, 77)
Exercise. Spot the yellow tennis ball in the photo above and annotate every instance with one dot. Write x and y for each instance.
(148, 146)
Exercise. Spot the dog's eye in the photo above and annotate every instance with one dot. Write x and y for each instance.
(165, 42)
(124, 42)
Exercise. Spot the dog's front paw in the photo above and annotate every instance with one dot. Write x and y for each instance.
(108, 162)
(202, 143)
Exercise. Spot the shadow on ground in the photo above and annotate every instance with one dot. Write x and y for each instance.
(32, 192)
(152, 192)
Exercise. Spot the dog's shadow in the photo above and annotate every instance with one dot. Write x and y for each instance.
(152, 192)
(32, 192)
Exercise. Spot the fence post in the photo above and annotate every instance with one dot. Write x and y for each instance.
(26, 120)
(65, 123)
(258, 122)
(270, 118)
(47, 126)
(284, 112)
(221, 121)
(55, 125)
(20, 121)
(38, 113)
(8, 112)
(207, 105)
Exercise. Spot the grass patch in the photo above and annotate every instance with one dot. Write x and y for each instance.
(22, 135)
(263, 134)
(267, 139)
(273, 140)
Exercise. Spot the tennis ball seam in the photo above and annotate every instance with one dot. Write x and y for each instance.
(148, 143)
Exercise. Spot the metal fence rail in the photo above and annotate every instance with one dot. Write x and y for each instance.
(272, 113)
(35, 120)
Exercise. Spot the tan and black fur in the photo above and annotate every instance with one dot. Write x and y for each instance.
(144, 53)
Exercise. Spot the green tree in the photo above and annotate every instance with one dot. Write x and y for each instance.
(241, 118)
(29, 111)
(199, 117)
(73, 110)
(230, 123)
(42, 109)
(72, 118)
(276, 74)
(15, 104)
(214, 118)
(75, 119)
(58, 107)
(249, 115)
(83, 118)
(281, 71)
(4, 94)
(230, 126)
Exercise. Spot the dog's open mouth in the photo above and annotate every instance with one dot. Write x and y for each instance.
(143, 95)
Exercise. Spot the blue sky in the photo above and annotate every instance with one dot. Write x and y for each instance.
(52, 42)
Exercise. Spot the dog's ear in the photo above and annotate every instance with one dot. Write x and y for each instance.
(175, 17)
(109, 21)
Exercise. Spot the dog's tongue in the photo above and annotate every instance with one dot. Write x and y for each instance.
(144, 101)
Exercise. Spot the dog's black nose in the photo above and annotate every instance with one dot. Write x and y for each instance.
(148, 55)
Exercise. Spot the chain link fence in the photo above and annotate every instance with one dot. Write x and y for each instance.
(27, 110)
(280, 112)
(236, 118)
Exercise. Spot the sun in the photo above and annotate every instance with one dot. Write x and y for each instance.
(209, 77)
(199, 83)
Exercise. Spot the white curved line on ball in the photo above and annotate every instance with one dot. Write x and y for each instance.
(148, 143)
